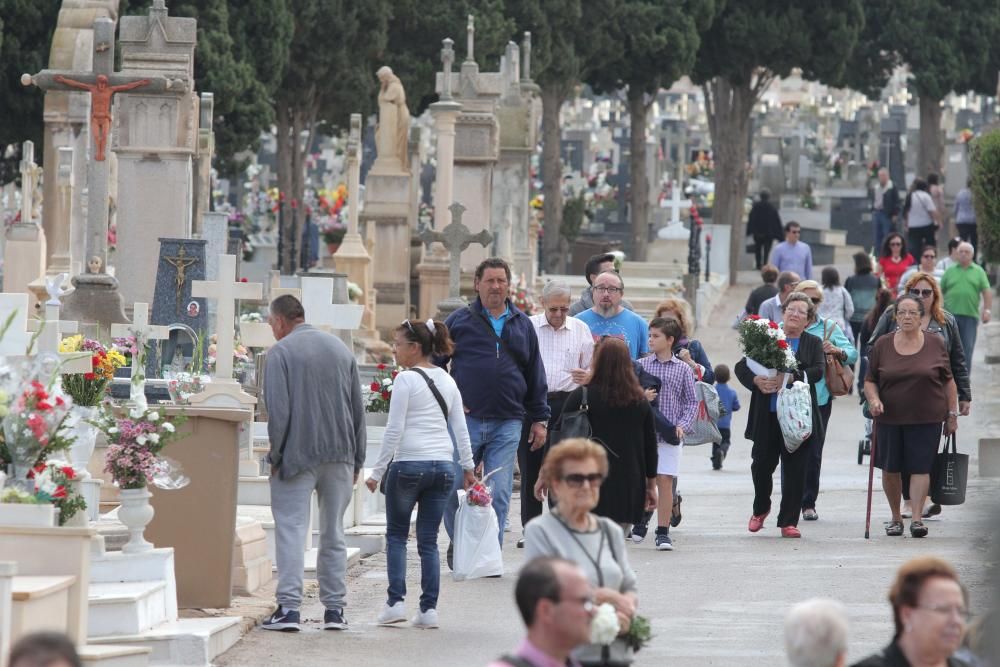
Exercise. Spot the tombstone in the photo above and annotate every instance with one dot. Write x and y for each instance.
(890, 153)
(223, 390)
(143, 332)
(771, 174)
(202, 194)
(214, 230)
(956, 168)
(455, 238)
(156, 138)
(24, 250)
(181, 262)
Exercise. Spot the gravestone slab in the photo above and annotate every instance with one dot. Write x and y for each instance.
(182, 261)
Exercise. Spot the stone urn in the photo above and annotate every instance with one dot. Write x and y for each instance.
(135, 513)
(85, 438)
(376, 418)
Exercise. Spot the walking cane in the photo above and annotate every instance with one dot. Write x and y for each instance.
(871, 477)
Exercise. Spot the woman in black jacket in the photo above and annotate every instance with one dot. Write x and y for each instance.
(762, 422)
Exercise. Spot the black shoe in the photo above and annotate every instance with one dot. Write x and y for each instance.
(675, 512)
(520, 543)
(663, 541)
(918, 529)
(333, 619)
(282, 620)
(716, 457)
(450, 557)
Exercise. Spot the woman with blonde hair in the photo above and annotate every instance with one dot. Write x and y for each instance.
(935, 320)
(573, 472)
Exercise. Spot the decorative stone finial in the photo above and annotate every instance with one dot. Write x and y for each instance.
(526, 56)
(470, 40)
(447, 59)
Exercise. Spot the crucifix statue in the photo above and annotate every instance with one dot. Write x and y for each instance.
(180, 262)
(141, 332)
(456, 237)
(100, 106)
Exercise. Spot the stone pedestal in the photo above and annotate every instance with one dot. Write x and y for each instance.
(433, 284)
(387, 206)
(199, 520)
(23, 258)
(96, 304)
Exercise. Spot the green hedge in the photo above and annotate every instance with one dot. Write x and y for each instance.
(985, 170)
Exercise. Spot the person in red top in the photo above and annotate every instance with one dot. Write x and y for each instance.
(894, 259)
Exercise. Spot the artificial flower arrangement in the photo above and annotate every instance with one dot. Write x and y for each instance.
(332, 229)
(764, 345)
(88, 389)
(33, 416)
(53, 485)
(135, 441)
(380, 390)
(520, 296)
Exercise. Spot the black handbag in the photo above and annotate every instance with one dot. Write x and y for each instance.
(444, 409)
(574, 424)
(949, 475)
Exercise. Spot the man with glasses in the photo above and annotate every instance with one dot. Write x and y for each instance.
(498, 369)
(963, 285)
(793, 254)
(609, 317)
(556, 602)
(928, 264)
(567, 348)
(595, 266)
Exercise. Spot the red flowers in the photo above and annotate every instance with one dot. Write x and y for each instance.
(783, 344)
(753, 317)
(89, 376)
(69, 472)
(394, 374)
(772, 325)
(385, 395)
(375, 386)
(381, 367)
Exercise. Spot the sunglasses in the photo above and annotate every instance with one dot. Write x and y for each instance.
(896, 243)
(577, 479)
(929, 256)
(925, 293)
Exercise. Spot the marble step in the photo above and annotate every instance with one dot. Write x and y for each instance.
(107, 655)
(188, 641)
(126, 608)
(40, 603)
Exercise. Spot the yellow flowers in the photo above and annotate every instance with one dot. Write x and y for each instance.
(71, 344)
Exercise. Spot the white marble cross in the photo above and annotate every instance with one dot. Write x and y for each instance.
(676, 203)
(49, 334)
(317, 300)
(16, 339)
(143, 332)
(224, 390)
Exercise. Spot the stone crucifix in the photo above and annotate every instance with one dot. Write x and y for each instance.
(456, 237)
(102, 82)
(143, 332)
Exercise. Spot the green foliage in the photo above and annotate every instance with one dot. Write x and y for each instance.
(986, 192)
(572, 217)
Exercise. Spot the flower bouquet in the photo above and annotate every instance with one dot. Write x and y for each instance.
(764, 345)
(53, 484)
(31, 427)
(134, 444)
(380, 390)
(87, 389)
(479, 493)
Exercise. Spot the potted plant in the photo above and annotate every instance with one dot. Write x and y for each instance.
(379, 394)
(333, 232)
(135, 442)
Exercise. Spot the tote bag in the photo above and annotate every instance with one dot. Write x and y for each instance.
(704, 430)
(949, 475)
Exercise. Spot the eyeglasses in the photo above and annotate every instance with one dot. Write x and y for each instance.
(929, 256)
(608, 290)
(948, 610)
(796, 311)
(576, 479)
(925, 293)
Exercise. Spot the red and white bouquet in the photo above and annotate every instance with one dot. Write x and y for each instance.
(33, 414)
(53, 484)
(380, 390)
(764, 345)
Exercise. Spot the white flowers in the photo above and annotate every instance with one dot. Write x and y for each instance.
(153, 416)
(113, 429)
(153, 438)
(141, 440)
(604, 626)
(135, 413)
(168, 427)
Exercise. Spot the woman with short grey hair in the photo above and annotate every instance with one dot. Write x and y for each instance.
(816, 634)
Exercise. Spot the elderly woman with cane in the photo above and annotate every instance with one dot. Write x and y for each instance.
(910, 392)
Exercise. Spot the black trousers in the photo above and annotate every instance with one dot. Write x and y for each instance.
(766, 454)
(815, 461)
(530, 462)
(917, 238)
(968, 233)
(762, 249)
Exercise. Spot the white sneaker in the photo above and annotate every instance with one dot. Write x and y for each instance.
(394, 614)
(426, 619)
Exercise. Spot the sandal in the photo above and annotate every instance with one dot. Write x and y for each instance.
(675, 512)
(918, 529)
(894, 528)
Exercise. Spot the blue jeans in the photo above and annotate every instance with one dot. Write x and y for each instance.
(882, 225)
(967, 329)
(495, 442)
(425, 484)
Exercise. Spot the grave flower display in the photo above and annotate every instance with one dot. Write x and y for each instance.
(764, 345)
(379, 392)
(87, 391)
(53, 483)
(242, 360)
(33, 416)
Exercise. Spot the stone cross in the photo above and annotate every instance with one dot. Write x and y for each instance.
(143, 332)
(470, 40)
(317, 300)
(676, 203)
(102, 82)
(447, 59)
(51, 329)
(225, 291)
(30, 187)
(456, 238)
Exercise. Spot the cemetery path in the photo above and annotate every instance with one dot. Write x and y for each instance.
(721, 597)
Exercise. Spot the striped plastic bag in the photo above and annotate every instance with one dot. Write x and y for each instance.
(795, 414)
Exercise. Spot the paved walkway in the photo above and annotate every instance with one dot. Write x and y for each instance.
(720, 598)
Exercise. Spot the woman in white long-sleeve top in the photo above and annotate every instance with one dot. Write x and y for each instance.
(417, 462)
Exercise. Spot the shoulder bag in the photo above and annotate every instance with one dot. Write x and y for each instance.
(839, 378)
(444, 410)
(950, 475)
(575, 424)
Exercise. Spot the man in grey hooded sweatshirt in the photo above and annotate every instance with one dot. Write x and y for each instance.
(316, 425)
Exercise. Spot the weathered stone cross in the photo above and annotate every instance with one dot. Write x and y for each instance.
(456, 237)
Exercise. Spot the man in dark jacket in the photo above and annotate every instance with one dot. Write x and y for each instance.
(885, 208)
(764, 225)
(498, 369)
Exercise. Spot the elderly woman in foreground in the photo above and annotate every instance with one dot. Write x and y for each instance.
(816, 634)
(573, 473)
(930, 610)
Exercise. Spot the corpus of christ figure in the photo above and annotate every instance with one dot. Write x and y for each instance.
(100, 106)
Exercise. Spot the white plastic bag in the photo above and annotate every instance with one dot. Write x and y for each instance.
(795, 414)
(477, 545)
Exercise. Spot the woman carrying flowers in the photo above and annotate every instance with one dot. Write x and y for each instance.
(795, 355)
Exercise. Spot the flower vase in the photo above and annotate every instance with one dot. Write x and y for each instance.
(759, 370)
(332, 248)
(135, 513)
(22, 458)
(376, 418)
(84, 438)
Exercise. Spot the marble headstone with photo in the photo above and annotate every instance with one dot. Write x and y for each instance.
(181, 262)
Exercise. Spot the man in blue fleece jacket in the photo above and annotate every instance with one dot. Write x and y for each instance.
(498, 368)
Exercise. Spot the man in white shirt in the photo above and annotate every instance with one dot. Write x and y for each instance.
(566, 347)
(771, 309)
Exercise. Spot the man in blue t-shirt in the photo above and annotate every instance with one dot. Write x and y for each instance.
(608, 317)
